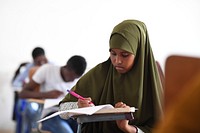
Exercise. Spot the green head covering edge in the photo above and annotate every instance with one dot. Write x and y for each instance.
(125, 36)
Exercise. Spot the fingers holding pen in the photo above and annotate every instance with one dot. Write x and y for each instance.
(82, 102)
(86, 102)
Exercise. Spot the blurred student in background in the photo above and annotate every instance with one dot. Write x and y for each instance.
(21, 74)
(54, 82)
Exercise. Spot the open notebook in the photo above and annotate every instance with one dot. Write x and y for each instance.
(100, 109)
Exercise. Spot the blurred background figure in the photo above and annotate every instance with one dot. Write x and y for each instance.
(53, 82)
(21, 75)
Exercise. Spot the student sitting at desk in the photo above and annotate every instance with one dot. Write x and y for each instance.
(128, 78)
(54, 82)
(20, 78)
(39, 58)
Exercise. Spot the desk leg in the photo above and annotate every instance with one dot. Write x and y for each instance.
(79, 128)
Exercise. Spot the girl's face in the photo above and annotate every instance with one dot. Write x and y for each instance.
(122, 60)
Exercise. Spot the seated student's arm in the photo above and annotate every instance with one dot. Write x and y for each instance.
(30, 91)
(74, 105)
(67, 106)
(124, 124)
(19, 80)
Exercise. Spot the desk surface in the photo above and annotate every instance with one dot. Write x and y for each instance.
(104, 117)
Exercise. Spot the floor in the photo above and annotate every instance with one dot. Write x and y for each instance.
(6, 131)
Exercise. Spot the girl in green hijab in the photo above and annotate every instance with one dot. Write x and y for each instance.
(129, 78)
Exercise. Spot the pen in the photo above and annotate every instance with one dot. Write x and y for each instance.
(78, 96)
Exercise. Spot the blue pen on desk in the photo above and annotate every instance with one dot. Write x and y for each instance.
(78, 96)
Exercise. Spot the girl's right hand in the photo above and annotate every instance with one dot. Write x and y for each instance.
(85, 102)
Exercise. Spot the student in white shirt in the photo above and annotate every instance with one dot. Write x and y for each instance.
(54, 82)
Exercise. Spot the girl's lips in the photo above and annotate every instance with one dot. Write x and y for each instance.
(119, 68)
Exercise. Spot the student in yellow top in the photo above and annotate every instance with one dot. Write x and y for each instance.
(128, 78)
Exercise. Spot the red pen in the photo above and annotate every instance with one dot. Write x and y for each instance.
(78, 96)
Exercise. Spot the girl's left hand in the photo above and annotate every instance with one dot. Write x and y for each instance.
(123, 124)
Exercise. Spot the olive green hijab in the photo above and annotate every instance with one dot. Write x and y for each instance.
(140, 87)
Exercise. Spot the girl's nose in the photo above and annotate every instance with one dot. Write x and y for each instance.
(118, 60)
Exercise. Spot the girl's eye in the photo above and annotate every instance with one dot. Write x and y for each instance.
(125, 54)
(113, 53)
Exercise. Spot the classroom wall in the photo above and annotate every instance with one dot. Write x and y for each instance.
(65, 28)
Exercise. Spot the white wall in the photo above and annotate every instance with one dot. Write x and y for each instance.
(65, 28)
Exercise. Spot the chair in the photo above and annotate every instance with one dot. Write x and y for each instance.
(178, 71)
